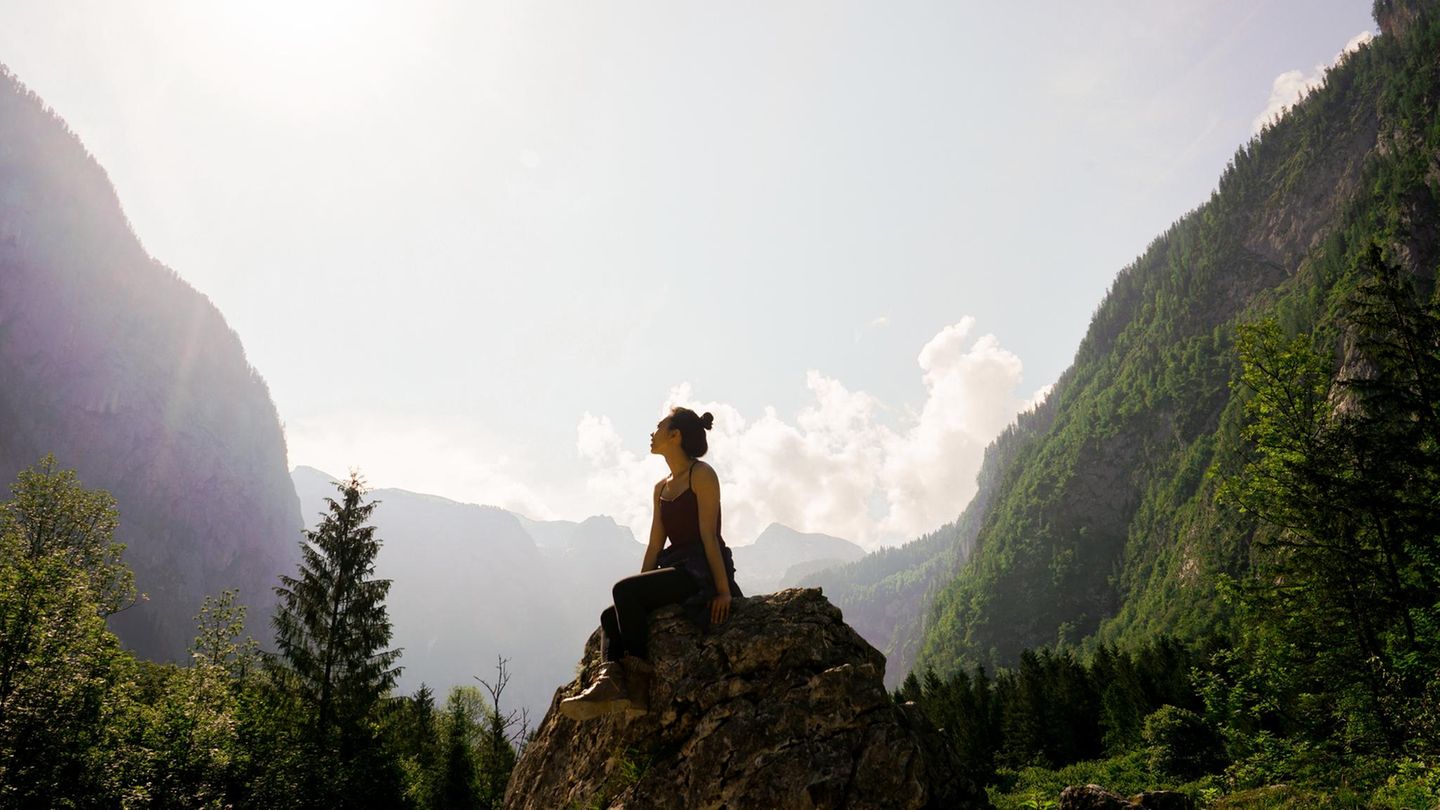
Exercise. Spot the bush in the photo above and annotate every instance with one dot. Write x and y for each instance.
(1414, 784)
(1182, 744)
(1126, 774)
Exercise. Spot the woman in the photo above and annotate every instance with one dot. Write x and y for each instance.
(696, 564)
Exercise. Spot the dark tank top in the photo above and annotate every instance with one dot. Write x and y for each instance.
(681, 518)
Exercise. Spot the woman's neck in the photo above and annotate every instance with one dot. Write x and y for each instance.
(679, 462)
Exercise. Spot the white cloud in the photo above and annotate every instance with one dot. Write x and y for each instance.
(878, 322)
(451, 461)
(838, 468)
(1293, 85)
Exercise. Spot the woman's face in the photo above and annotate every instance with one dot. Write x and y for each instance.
(663, 437)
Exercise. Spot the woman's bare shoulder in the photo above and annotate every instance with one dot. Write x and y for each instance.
(703, 474)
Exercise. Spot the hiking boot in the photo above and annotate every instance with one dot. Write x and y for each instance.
(607, 694)
(638, 673)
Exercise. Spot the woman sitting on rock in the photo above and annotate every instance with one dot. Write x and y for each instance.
(696, 565)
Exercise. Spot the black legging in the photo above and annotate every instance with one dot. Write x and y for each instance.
(624, 626)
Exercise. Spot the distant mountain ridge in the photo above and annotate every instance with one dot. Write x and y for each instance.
(128, 375)
(473, 582)
(780, 556)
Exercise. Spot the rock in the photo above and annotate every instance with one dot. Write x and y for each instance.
(1162, 800)
(1092, 797)
(783, 706)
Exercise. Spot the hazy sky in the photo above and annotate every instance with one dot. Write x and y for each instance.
(475, 248)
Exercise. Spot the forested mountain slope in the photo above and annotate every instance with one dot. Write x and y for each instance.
(1105, 524)
(886, 595)
(128, 375)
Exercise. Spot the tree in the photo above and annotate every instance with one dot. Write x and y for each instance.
(1344, 476)
(332, 630)
(415, 736)
(459, 784)
(183, 749)
(60, 576)
(498, 749)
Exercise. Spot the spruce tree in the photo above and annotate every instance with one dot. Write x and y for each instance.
(332, 632)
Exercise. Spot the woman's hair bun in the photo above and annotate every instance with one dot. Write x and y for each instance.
(707, 419)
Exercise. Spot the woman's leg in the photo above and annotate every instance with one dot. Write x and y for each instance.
(636, 596)
(610, 641)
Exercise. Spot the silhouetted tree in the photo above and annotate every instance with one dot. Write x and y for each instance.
(332, 631)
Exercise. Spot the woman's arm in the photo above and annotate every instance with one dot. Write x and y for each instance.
(707, 496)
(657, 534)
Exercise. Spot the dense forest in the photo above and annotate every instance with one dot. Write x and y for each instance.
(1213, 567)
(1106, 526)
(84, 723)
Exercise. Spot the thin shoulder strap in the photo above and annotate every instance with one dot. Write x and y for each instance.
(690, 476)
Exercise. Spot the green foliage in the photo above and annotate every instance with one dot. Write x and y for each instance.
(1105, 526)
(479, 746)
(1056, 709)
(1246, 455)
(1415, 783)
(415, 733)
(85, 724)
(1126, 774)
(179, 736)
(460, 786)
(1332, 671)
(1182, 744)
(332, 629)
(60, 575)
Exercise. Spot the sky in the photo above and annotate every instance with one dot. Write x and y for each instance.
(477, 249)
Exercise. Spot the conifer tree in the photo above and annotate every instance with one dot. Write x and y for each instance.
(332, 631)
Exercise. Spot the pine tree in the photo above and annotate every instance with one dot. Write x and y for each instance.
(460, 781)
(332, 631)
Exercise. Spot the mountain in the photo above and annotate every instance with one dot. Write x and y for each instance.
(886, 596)
(128, 375)
(470, 583)
(1102, 523)
(780, 555)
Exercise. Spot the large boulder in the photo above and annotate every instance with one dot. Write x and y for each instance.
(783, 706)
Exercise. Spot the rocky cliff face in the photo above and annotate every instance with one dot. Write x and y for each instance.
(1397, 17)
(780, 707)
(128, 375)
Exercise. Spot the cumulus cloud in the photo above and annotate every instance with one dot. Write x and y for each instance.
(843, 466)
(1293, 85)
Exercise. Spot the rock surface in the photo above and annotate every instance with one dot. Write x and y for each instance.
(1091, 797)
(1094, 797)
(781, 707)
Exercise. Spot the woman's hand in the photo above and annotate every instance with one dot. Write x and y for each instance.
(720, 608)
